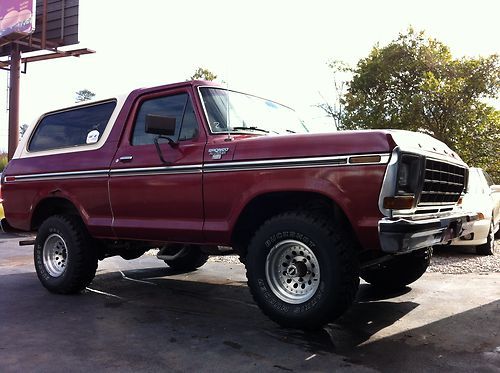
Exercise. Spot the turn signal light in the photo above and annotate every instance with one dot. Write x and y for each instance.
(366, 159)
(399, 202)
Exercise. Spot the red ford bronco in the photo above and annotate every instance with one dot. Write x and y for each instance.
(193, 168)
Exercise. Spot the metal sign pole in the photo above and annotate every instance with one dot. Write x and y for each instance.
(15, 79)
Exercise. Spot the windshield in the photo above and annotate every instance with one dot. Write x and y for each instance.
(476, 183)
(248, 113)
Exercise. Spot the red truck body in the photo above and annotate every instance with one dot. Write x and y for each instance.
(197, 206)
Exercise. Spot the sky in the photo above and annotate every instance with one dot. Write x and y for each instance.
(271, 48)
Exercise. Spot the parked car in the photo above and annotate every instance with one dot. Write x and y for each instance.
(484, 197)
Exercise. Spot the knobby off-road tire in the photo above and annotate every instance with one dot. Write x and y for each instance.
(489, 247)
(398, 272)
(65, 259)
(193, 257)
(301, 271)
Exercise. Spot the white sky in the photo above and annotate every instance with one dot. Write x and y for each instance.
(275, 49)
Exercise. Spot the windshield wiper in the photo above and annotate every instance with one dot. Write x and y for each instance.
(250, 128)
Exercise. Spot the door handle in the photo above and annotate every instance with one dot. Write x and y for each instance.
(126, 158)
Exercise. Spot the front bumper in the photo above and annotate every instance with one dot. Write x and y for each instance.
(404, 235)
(480, 231)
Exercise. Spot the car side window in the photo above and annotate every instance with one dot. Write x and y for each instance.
(79, 126)
(178, 106)
(488, 178)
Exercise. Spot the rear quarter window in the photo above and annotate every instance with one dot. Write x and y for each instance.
(79, 126)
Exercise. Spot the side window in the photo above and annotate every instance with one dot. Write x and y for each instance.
(488, 178)
(177, 106)
(74, 127)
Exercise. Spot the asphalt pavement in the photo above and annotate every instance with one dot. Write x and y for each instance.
(140, 315)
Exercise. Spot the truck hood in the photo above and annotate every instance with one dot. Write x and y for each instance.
(340, 143)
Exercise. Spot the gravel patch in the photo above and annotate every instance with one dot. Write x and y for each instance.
(446, 259)
(231, 259)
(463, 259)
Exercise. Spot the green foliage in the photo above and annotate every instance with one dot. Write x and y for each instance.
(415, 84)
(84, 95)
(203, 74)
(3, 161)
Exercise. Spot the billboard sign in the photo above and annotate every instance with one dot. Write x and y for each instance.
(57, 24)
(17, 17)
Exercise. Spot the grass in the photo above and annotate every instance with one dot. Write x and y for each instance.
(3, 161)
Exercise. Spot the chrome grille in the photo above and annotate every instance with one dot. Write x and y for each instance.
(443, 183)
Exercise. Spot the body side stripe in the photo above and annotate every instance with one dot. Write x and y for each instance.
(290, 163)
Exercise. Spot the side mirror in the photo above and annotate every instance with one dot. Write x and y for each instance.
(495, 188)
(160, 125)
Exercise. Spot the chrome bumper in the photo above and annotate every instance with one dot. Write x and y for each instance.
(404, 235)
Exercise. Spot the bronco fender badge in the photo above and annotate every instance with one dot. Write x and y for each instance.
(217, 153)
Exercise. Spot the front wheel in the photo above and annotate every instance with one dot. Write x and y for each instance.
(65, 260)
(398, 272)
(488, 248)
(301, 271)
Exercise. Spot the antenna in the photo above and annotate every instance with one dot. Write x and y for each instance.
(228, 138)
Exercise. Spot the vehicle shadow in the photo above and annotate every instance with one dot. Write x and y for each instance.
(125, 317)
(372, 311)
(465, 342)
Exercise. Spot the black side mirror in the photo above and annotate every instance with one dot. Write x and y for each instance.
(164, 127)
(160, 125)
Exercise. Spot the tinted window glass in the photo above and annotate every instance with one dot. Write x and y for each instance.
(488, 178)
(177, 106)
(74, 127)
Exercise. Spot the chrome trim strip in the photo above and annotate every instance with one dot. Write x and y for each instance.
(163, 170)
(269, 164)
(331, 161)
(289, 163)
(60, 175)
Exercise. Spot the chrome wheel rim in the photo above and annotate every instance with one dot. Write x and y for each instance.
(55, 255)
(292, 271)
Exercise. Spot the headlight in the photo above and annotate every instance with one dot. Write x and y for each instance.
(409, 173)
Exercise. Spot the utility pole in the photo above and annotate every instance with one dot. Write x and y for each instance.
(14, 89)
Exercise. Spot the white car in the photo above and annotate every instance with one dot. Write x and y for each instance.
(483, 197)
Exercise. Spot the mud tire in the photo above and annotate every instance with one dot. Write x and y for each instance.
(192, 259)
(330, 249)
(65, 259)
(398, 272)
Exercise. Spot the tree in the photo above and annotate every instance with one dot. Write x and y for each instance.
(3, 160)
(336, 110)
(414, 83)
(84, 95)
(204, 74)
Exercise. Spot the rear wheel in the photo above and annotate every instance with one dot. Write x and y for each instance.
(399, 271)
(489, 247)
(65, 260)
(301, 272)
(184, 257)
